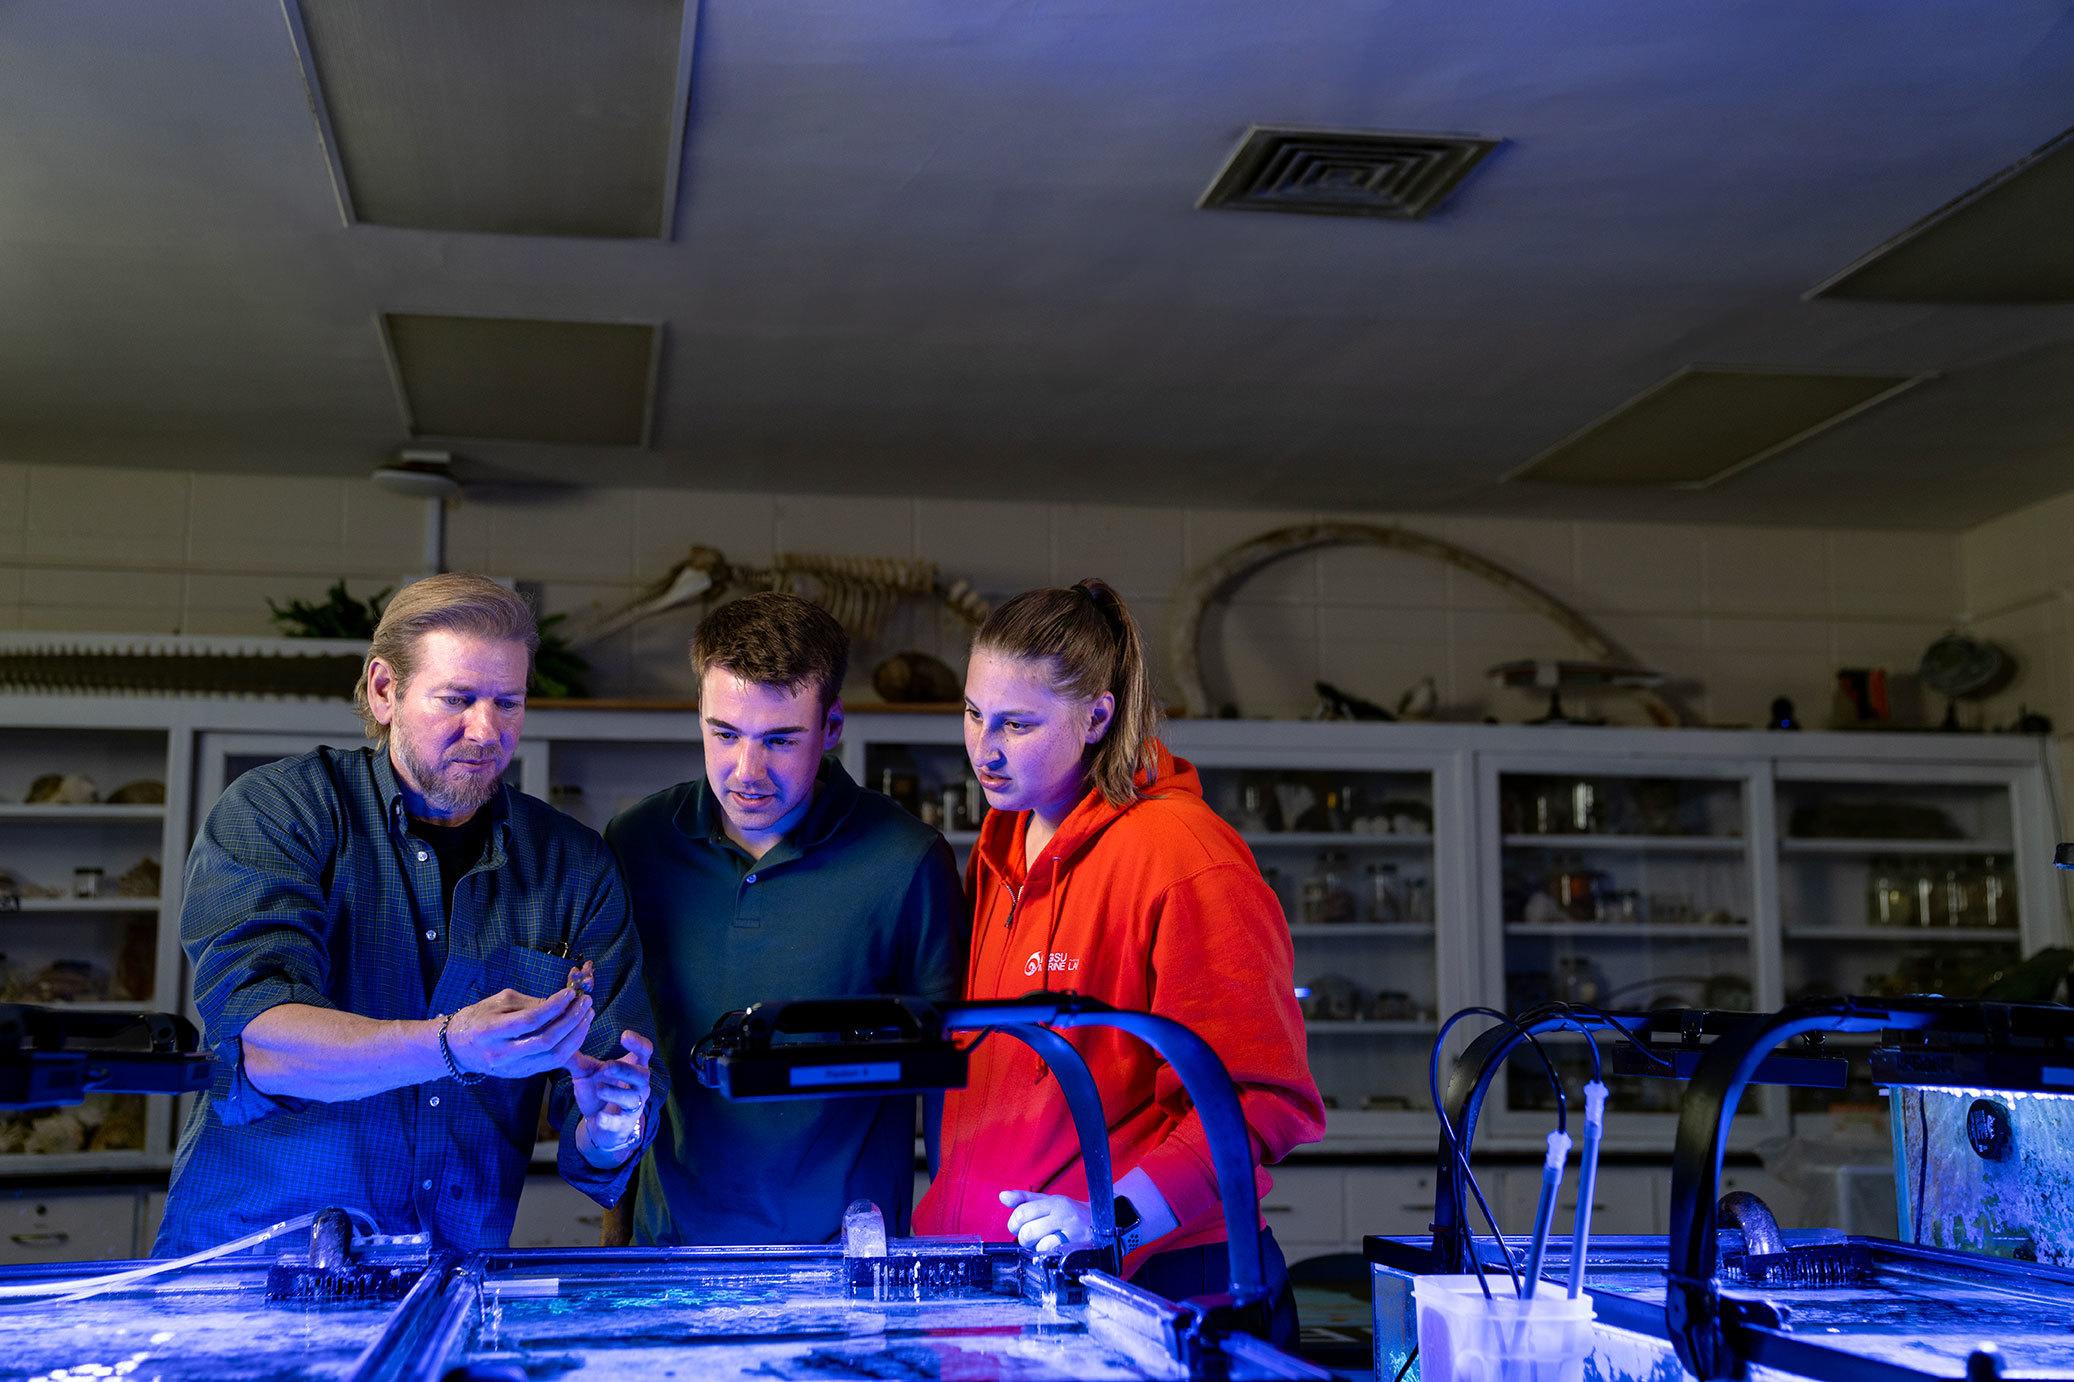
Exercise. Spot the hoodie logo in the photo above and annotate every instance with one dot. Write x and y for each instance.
(1059, 963)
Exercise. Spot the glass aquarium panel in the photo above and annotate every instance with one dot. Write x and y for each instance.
(780, 1319)
(1911, 1313)
(195, 1328)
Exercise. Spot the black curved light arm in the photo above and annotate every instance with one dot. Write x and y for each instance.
(1084, 1102)
(1693, 1310)
(1208, 1084)
(879, 1046)
(1469, 1082)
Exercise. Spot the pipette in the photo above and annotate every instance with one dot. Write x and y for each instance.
(1544, 1212)
(1587, 1177)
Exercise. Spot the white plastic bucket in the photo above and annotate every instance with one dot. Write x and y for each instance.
(1465, 1338)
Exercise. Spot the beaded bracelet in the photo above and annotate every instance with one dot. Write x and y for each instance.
(453, 1067)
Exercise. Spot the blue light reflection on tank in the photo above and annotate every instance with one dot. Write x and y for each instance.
(1970, 1092)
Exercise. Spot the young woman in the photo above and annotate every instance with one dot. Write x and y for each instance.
(1101, 870)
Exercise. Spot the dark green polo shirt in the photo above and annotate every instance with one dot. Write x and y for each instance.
(860, 898)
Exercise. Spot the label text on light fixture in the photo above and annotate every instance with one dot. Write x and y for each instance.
(821, 1076)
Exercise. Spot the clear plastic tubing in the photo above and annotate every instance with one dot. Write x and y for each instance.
(1587, 1178)
(79, 1288)
(1544, 1212)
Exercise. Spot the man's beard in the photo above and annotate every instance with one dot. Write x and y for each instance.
(447, 797)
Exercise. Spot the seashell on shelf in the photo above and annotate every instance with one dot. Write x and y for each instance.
(909, 678)
(62, 789)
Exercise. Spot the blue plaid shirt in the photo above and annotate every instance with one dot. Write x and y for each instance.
(306, 886)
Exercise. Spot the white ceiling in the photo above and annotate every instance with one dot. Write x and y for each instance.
(950, 246)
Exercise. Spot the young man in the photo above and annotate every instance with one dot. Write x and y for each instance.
(395, 957)
(776, 877)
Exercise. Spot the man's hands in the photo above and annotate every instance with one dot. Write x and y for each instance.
(612, 1094)
(511, 1036)
(1049, 1223)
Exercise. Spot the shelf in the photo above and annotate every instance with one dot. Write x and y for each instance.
(1326, 1026)
(101, 1005)
(15, 811)
(1904, 847)
(74, 1163)
(1325, 839)
(1617, 930)
(1907, 935)
(1735, 795)
(1633, 844)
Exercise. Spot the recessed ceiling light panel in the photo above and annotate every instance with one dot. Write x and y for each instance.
(1706, 423)
(2009, 240)
(516, 117)
(515, 379)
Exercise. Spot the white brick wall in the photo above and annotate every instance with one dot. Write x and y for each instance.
(2017, 576)
(1737, 615)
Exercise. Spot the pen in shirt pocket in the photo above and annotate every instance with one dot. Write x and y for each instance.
(581, 977)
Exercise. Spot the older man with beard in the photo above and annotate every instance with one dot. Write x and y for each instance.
(396, 958)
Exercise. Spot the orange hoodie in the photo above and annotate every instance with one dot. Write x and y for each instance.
(1157, 906)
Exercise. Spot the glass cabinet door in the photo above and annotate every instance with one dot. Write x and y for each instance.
(82, 849)
(82, 820)
(1889, 889)
(1350, 856)
(1622, 891)
(933, 779)
(596, 779)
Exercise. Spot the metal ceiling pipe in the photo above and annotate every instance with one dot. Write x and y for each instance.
(426, 475)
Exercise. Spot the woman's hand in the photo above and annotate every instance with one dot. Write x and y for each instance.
(1049, 1223)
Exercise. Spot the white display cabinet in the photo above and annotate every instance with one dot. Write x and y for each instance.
(1932, 885)
(1623, 881)
(1365, 844)
(84, 912)
(1696, 867)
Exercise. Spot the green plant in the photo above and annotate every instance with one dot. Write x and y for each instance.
(559, 673)
(338, 616)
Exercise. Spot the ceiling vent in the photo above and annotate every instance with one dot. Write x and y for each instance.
(1344, 172)
(515, 117)
(511, 379)
(2005, 241)
(1706, 423)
